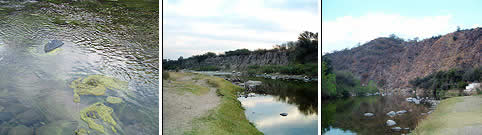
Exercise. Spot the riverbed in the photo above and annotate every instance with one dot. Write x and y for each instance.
(35, 87)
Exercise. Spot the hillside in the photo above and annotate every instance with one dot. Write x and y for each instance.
(294, 57)
(393, 62)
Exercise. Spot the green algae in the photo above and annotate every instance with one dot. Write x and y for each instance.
(96, 85)
(81, 131)
(114, 100)
(104, 113)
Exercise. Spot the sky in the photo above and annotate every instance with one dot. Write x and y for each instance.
(193, 27)
(345, 23)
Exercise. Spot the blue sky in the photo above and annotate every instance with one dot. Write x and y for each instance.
(193, 27)
(348, 22)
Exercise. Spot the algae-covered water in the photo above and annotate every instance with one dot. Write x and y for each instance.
(36, 88)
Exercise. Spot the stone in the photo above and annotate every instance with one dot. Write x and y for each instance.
(401, 112)
(5, 116)
(416, 101)
(391, 113)
(283, 114)
(368, 114)
(54, 44)
(396, 129)
(391, 123)
(29, 117)
(20, 130)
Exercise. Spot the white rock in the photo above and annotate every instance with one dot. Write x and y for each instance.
(368, 114)
(391, 113)
(396, 129)
(391, 123)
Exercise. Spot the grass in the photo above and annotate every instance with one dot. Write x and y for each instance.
(452, 116)
(228, 117)
(185, 85)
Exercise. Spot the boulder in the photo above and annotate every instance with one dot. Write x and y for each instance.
(254, 83)
(401, 112)
(5, 116)
(368, 114)
(391, 123)
(29, 117)
(54, 44)
(283, 114)
(391, 113)
(397, 129)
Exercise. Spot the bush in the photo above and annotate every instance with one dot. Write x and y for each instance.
(165, 75)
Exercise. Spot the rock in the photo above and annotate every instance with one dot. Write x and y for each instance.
(396, 129)
(53, 45)
(429, 112)
(29, 117)
(409, 99)
(416, 101)
(20, 130)
(423, 114)
(408, 129)
(368, 114)
(401, 112)
(1, 108)
(5, 116)
(391, 123)
(391, 113)
(254, 83)
(283, 114)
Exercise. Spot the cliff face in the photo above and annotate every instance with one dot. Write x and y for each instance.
(393, 62)
(243, 61)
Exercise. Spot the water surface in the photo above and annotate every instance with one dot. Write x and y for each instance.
(346, 116)
(298, 99)
(34, 85)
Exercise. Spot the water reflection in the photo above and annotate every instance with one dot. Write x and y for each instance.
(273, 97)
(347, 115)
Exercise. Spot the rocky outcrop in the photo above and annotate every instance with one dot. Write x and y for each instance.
(243, 61)
(393, 62)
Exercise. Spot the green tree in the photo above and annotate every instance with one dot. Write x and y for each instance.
(328, 82)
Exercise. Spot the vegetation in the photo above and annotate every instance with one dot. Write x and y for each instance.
(441, 81)
(294, 69)
(342, 83)
(183, 86)
(302, 52)
(228, 117)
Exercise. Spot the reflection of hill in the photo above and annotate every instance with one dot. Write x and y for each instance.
(301, 94)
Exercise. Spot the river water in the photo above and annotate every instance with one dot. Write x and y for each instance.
(34, 86)
(346, 116)
(273, 97)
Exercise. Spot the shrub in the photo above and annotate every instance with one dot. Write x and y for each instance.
(165, 75)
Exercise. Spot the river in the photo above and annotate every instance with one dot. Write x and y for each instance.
(264, 105)
(35, 91)
(346, 116)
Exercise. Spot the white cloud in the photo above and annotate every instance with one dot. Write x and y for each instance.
(212, 25)
(347, 31)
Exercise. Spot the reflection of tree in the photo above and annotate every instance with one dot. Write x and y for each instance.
(302, 94)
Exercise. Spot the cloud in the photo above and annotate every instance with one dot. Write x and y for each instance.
(216, 25)
(347, 31)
